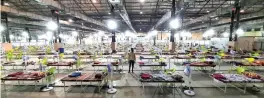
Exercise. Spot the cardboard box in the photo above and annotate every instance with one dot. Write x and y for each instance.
(7, 46)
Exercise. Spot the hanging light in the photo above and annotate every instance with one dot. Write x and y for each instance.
(111, 24)
(216, 18)
(61, 35)
(11, 36)
(6, 4)
(42, 37)
(52, 25)
(225, 34)
(75, 33)
(101, 33)
(175, 23)
(70, 20)
(155, 32)
(240, 32)
(169, 34)
(25, 34)
(177, 35)
(242, 11)
(142, 1)
(1, 28)
(127, 33)
(95, 35)
(209, 32)
(188, 34)
(49, 35)
(205, 35)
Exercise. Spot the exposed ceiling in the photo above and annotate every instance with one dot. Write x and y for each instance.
(91, 15)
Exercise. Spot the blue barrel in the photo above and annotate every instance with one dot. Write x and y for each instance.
(61, 50)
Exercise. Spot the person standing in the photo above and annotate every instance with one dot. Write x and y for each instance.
(132, 60)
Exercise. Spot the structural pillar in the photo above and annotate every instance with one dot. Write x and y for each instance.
(6, 45)
(29, 34)
(262, 32)
(7, 37)
(56, 14)
(232, 24)
(172, 43)
(154, 41)
(237, 17)
(58, 30)
(57, 38)
(113, 43)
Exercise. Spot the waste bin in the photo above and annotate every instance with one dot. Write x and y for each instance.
(61, 50)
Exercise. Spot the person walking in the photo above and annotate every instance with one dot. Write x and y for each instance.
(132, 60)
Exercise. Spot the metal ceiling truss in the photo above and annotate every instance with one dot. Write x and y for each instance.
(74, 13)
(259, 12)
(167, 16)
(125, 16)
(254, 18)
(155, 13)
(221, 11)
(35, 16)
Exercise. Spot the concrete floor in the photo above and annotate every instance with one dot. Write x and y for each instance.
(127, 85)
(123, 92)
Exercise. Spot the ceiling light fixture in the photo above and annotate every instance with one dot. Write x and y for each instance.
(242, 11)
(142, 1)
(11, 36)
(75, 33)
(101, 33)
(141, 12)
(240, 32)
(52, 25)
(49, 35)
(94, 1)
(25, 34)
(6, 4)
(1, 28)
(216, 18)
(210, 32)
(70, 20)
(207, 11)
(175, 23)
(225, 34)
(61, 36)
(154, 33)
(112, 24)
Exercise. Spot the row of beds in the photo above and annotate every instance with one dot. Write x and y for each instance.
(89, 77)
(227, 79)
